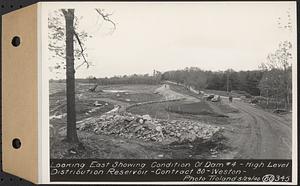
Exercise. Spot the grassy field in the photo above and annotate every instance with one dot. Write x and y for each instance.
(155, 110)
(199, 108)
(225, 108)
(160, 111)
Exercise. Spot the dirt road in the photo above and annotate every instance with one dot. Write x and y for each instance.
(256, 134)
(169, 94)
(259, 134)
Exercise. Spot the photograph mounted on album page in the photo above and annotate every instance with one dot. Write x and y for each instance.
(151, 92)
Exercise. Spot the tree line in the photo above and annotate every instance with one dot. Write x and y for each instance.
(126, 79)
(272, 82)
(276, 82)
(228, 80)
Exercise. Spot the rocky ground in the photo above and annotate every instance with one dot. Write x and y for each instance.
(145, 128)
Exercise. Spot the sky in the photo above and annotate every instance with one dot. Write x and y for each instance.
(170, 36)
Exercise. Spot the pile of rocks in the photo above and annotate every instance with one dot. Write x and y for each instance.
(148, 129)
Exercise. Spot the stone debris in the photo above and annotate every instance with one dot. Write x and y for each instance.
(72, 151)
(146, 128)
(160, 156)
(146, 117)
(97, 104)
(58, 116)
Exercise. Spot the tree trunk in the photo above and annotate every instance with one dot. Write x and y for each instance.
(267, 98)
(277, 99)
(287, 90)
(70, 77)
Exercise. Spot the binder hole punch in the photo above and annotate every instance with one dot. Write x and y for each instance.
(16, 41)
(16, 143)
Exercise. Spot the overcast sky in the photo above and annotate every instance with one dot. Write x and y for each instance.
(164, 36)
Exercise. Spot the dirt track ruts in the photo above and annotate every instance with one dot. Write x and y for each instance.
(266, 135)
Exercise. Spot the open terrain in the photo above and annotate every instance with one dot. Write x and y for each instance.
(246, 131)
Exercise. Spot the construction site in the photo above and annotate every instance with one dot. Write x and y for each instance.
(165, 121)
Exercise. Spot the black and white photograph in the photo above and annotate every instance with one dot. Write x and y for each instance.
(171, 81)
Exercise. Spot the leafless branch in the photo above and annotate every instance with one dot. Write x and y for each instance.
(106, 17)
(84, 62)
(82, 50)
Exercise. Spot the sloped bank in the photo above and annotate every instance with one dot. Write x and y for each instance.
(152, 102)
(198, 108)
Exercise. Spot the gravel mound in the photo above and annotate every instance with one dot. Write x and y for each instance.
(148, 129)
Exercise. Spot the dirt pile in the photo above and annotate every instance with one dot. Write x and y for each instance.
(148, 129)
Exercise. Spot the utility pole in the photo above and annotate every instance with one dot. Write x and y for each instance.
(227, 81)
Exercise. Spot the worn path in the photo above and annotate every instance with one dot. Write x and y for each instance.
(265, 135)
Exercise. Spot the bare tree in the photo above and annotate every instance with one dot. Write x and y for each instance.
(277, 80)
(69, 53)
(277, 77)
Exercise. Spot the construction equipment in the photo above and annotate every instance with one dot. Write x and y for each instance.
(93, 89)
